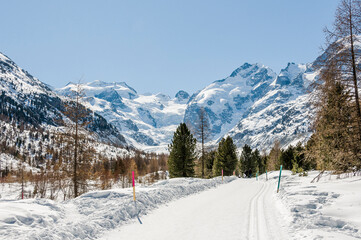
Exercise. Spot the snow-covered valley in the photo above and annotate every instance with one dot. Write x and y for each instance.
(188, 208)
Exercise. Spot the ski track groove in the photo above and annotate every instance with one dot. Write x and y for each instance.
(262, 224)
(253, 230)
(266, 210)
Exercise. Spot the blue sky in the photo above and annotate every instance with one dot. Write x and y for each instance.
(159, 45)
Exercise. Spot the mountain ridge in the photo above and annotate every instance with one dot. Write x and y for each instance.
(250, 94)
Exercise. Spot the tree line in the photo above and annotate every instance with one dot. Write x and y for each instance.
(185, 161)
(65, 163)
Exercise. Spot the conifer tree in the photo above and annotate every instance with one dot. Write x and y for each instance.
(258, 161)
(226, 158)
(287, 158)
(209, 161)
(182, 153)
(248, 163)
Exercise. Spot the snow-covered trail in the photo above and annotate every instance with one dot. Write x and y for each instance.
(242, 209)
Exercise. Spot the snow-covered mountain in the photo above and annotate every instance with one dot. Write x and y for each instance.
(147, 121)
(254, 105)
(26, 100)
(226, 101)
(283, 113)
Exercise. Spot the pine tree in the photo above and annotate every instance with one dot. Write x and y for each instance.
(248, 161)
(287, 158)
(182, 153)
(209, 161)
(226, 158)
(258, 161)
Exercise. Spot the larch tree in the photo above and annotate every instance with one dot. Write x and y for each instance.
(337, 140)
(343, 52)
(274, 155)
(202, 132)
(78, 151)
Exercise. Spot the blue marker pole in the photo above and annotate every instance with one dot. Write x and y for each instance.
(257, 176)
(279, 180)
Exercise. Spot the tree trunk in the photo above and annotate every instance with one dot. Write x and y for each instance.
(202, 132)
(75, 180)
(354, 73)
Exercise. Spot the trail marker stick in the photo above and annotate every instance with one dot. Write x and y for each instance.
(133, 185)
(279, 180)
(135, 203)
(256, 176)
(222, 175)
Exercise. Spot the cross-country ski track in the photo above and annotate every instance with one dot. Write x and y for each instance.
(242, 209)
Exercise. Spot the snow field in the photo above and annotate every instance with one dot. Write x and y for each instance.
(242, 209)
(328, 209)
(183, 209)
(93, 213)
(250, 209)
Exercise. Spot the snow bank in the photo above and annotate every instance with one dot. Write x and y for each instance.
(87, 216)
(326, 209)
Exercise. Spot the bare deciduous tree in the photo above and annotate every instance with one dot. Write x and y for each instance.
(342, 52)
(202, 133)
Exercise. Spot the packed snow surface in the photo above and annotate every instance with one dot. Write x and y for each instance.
(188, 208)
(93, 213)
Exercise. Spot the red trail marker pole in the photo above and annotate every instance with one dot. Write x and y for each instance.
(133, 185)
(135, 203)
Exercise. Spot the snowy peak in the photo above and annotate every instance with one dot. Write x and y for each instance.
(242, 82)
(97, 87)
(182, 96)
(225, 101)
(255, 106)
(17, 82)
(291, 75)
(252, 73)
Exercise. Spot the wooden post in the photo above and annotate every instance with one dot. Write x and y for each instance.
(279, 180)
